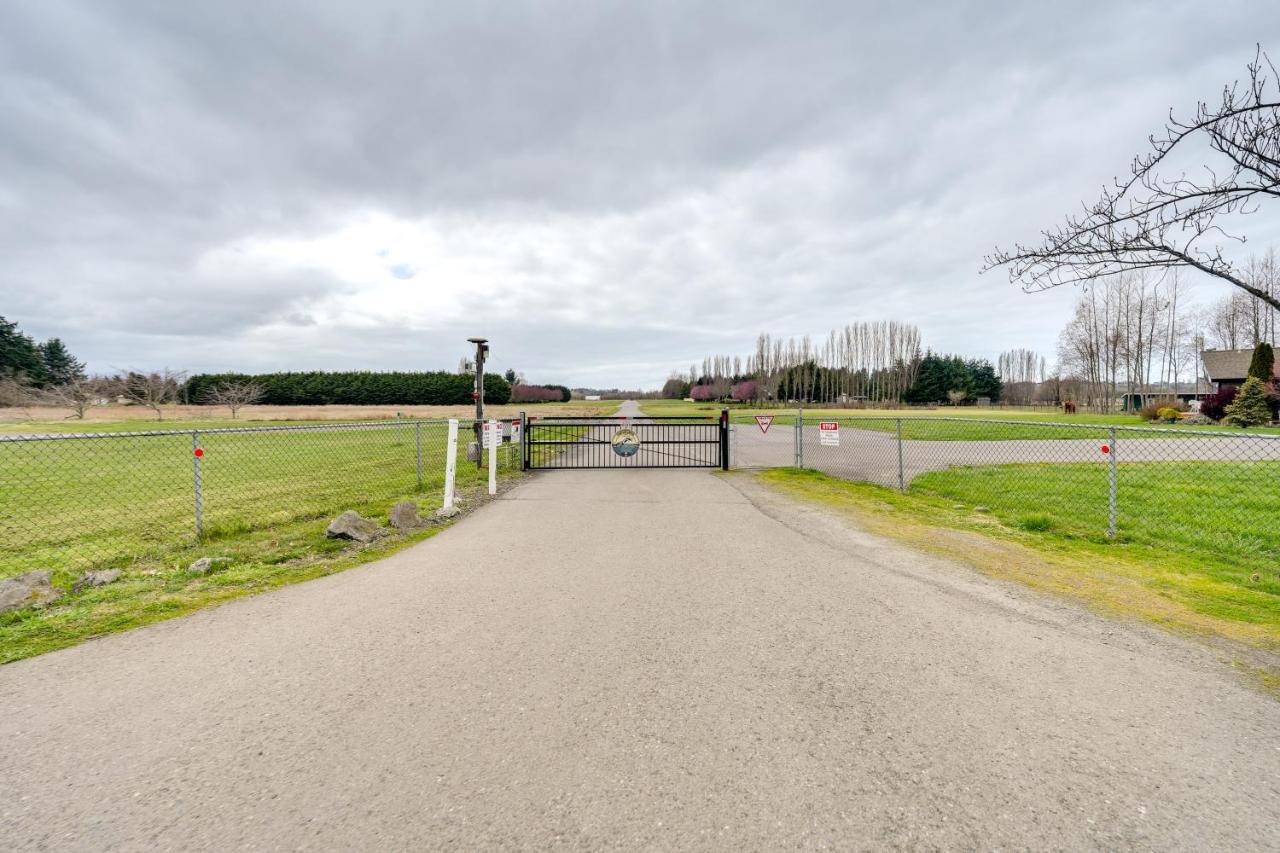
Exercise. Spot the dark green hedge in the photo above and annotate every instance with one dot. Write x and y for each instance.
(357, 388)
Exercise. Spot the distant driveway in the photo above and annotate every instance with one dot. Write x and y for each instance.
(872, 455)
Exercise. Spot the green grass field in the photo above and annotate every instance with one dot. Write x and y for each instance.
(128, 502)
(951, 423)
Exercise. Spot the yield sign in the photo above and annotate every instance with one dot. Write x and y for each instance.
(764, 421)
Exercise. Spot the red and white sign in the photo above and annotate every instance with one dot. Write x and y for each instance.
(829, 433)
(764, 421)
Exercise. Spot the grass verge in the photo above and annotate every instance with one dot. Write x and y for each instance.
(259, 560)
(1164, 586)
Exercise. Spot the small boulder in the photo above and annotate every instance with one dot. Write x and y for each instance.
(352, 525)
(404, 516)
(27, 590)
(447, 512)
(99, 578)
(204, 565)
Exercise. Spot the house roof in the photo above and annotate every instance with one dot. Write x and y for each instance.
(1224, 365)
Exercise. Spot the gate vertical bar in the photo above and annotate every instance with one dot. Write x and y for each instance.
(450, 463)
(1111, 497)
(902, 482)
(417, 442)
(524, 442)
(199, 485)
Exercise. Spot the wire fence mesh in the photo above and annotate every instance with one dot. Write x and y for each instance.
(108, 500)
(1208, 492)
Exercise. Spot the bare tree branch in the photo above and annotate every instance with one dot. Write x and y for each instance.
(1154, 221)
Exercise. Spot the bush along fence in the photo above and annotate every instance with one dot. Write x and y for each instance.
(1212, 493)
(359, 388)
(80, 502)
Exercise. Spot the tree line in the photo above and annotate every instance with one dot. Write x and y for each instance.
(354, 388)
(870, 362)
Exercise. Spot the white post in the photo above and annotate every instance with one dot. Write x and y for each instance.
(450, 463)
(495, 438)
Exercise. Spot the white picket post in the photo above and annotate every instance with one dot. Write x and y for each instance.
(495, 438)
(450, 463)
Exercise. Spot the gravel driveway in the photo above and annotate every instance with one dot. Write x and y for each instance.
(638, 660)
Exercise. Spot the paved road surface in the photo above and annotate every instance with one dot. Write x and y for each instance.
(638, 660)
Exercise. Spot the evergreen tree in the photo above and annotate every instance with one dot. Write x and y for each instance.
(19, 356)
(1250, 407)
(1263, 362)
(59, 365)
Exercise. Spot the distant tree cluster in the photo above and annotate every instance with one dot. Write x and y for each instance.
(954, 379)
(356, 388)
(540, 394)
(43, 365)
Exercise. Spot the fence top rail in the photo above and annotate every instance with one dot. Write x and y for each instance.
(316, 427)
(706, 419)
(1050, 424)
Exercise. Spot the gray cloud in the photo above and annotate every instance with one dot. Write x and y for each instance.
(608, 190)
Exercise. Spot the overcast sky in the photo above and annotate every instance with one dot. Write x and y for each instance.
(608, 191)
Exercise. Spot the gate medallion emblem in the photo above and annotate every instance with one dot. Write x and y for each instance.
(625, 443)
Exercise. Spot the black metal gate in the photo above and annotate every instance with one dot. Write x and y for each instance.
(626, 442)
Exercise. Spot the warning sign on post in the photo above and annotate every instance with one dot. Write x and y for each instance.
(492, 434)
(764, 421)
(829, 433)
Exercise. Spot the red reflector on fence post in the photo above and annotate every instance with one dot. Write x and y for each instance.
(1106, 448)
(199, 451)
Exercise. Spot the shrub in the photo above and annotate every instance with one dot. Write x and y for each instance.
(535, 394)
(1198, 420)
(1215, 405)
(1168, 414)
(1153, 410)
(1250, 407)
(702, 393)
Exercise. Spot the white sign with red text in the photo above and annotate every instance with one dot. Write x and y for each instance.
(829, 433)
(764, 421)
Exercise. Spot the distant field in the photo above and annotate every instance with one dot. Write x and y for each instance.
(913, 427)
(113, 418)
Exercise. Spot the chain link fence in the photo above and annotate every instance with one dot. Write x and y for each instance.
(1209, 492)
(72, 502)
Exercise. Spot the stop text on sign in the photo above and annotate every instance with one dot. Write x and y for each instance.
(829, 433)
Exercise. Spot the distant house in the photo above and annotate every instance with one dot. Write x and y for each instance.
(1226, 367)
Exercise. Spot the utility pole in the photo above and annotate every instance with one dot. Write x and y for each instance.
(482, 349)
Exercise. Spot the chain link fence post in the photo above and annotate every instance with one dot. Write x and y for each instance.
(417, 443)
(902, 482)
(196, 453)
(800, 438)
(1111, 498)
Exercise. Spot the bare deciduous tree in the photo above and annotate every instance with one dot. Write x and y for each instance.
(78, 395)
(154, 390)
(234, 395)
(1171, 211)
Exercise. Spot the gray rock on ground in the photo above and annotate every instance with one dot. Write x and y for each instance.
(352, 525)
(447, 512)
(27, 590)
(98, 578)
(404, 516)
(204, 565)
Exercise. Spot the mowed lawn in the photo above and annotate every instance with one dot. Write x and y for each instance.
(118, 501)
(960, 423)
(128, 502)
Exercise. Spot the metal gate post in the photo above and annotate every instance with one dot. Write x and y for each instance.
(524, 442)
(902, 483)
(199, 485)
(1111, 501)
(724, 439)
(417, 442)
